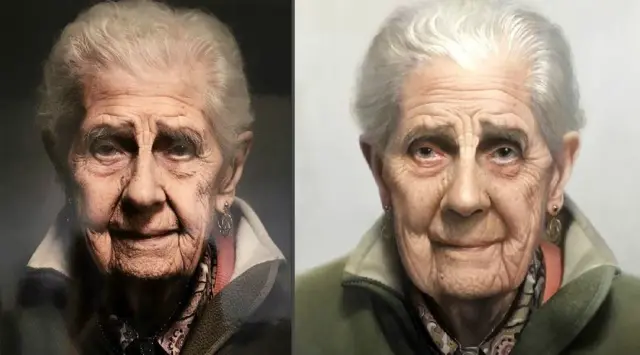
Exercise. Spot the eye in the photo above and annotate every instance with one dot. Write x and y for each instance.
(505, 155)
(104, 149)
(181, 150)
(425, 153)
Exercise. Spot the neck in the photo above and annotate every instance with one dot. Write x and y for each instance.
(147, 305)
(471, 321)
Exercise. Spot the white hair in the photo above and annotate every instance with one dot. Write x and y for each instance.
(136, 36)
(467, 32)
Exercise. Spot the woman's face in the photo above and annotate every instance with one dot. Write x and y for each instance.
(470, 178)
(149, 174)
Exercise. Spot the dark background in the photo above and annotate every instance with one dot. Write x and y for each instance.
(30, 196)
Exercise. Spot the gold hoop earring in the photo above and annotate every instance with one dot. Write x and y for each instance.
(225, 221)
(554, 227)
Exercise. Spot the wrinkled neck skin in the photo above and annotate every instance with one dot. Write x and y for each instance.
(146, 305)
(472, 321)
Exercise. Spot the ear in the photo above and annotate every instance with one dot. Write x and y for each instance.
(233, 173)
(563, 168)
(375, 162)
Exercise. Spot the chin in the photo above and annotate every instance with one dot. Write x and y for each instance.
(147, 268)
(473, 283)
(469, 292)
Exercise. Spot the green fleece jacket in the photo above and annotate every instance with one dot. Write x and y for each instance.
(356, 305)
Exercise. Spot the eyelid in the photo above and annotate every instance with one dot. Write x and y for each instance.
(193, 147)
(496, 143)
(183, 138)
(102, 141)
(439, 144)
(115, 150)
(121, 143)
(515, 156)
(419, 144)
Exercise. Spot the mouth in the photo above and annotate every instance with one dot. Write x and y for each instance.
(463, 247)
(130, 234)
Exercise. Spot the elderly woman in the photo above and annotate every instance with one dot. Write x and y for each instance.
(470, 118)
(146, 117)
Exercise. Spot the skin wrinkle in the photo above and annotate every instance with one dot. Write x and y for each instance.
(468, 217)
(140, 185)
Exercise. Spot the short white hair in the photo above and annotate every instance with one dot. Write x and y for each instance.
(468, 31)
(136, 36)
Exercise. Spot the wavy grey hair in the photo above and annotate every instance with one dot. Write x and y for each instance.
(137, 36)
(468, 32)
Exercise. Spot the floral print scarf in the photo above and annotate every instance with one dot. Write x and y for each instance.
(170, 339)
(501, 341)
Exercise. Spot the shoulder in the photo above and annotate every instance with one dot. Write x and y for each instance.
(320, 315)
(267, 337)
(319, 286)
(615, 325)
(278, 302)
(42, 286)
(626, 285)
(321, 277)
(622, 303)
(36, 313)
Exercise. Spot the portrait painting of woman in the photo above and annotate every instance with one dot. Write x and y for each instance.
(470, 121)
(145, 113)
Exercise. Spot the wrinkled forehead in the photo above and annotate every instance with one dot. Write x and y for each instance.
(442, 95)
(186, 83)
(154, 101)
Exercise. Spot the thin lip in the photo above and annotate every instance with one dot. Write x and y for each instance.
(135, 234)
(463, 246)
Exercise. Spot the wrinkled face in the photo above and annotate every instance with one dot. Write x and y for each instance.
(149, 174)
(469, 177)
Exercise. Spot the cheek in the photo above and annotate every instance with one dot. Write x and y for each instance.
(520, 203)
(193, 200)
(415, 199)
(97, 197)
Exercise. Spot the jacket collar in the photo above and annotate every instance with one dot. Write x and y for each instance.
(376, 257)
(253, 244)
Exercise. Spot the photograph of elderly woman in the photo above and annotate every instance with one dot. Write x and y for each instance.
(147, 200)
(440, 222)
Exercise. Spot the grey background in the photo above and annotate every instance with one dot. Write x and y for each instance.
(336, 198)
(30, 195)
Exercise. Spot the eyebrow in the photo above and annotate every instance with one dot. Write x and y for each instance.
(180, 134)
(445, 135)
(104, 130)
(492, 132)
(127, 132)
(442, 135)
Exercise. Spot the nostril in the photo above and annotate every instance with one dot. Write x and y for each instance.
(129, 208)
(461, 212)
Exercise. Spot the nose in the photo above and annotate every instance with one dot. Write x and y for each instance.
(465, 195)
(144, 190)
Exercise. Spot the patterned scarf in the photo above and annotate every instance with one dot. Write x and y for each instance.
(170, 339)
(501, 341)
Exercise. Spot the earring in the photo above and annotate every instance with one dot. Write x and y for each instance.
(387, 223)
(554, 227)
(225, 221)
